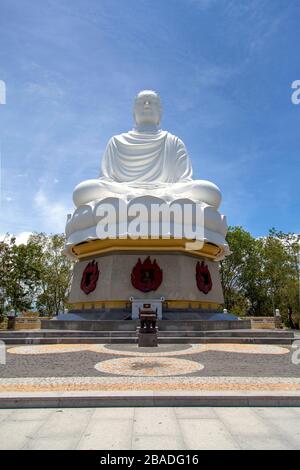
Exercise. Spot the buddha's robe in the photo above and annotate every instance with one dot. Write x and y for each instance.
(146, 164)
(139, 158)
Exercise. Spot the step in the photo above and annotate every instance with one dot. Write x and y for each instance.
(66, 340)
(193, 333)
(230, 334)
(162, 340)
(62, 333)
(241, 340)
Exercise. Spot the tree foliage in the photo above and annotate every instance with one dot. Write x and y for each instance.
(35, 274)
(261, 274)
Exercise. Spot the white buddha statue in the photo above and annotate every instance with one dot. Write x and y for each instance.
(146, 161)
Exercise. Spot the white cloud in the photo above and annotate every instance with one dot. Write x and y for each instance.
(202, 4)
(48, 90)
(53, 214)
(21, 237)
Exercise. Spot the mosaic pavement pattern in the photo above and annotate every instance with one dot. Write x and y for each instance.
(166, 384)
(124, 367)
(133, 350)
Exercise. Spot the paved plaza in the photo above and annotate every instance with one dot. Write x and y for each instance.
(150, 428)
(78, 370)
(193, 368)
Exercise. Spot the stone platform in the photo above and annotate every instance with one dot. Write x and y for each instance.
(128, 335)
(116, 314)
(131, 325)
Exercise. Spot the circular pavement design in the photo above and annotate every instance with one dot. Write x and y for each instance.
(148, 367)
(179, 350)
(48, 349)
(160, 351)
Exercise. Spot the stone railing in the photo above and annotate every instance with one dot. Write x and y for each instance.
(3, 323)
(268, 323)
(24, 323)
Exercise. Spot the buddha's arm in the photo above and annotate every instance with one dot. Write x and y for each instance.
(107, 162)
(183, 167)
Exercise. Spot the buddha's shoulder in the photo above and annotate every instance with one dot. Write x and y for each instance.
(177, 140)
(132, 136)
(115, 139)
(123, 135)
(174, 140)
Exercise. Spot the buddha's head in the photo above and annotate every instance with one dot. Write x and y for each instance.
(147, 109)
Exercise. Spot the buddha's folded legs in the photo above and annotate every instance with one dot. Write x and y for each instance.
(92, 190)
(198, 191)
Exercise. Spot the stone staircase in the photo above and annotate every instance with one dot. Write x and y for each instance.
(168, 333)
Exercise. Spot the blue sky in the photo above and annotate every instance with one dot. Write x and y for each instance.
(223, 68)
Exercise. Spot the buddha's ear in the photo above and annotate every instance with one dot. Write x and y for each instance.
(160, 112)
(134, 116)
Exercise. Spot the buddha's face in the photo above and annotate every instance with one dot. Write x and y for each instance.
(147, 109)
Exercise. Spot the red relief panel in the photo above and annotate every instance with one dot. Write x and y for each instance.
(203, 277)
(90, 277)
(147, 275)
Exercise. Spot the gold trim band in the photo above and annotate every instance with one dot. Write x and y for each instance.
(98, 247)
(123, 304)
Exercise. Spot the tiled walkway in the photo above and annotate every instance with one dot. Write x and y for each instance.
(151, 428)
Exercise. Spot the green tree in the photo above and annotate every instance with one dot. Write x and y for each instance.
(20, 273)
(262, 274)
(233, 267)
(55, 272)
(5, 261)
(282, 272)
(35, 274)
